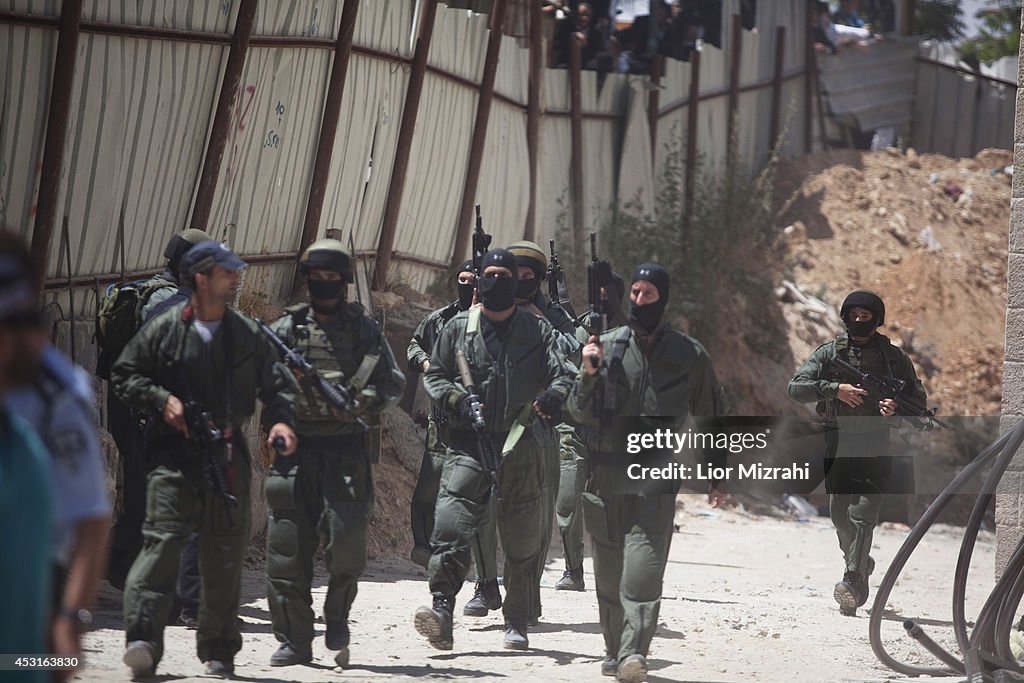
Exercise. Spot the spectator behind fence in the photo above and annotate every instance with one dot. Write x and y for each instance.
(60, 407)
(26, 513)
(849, 14)
(829, 36)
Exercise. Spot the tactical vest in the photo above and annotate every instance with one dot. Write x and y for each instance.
(338, 351)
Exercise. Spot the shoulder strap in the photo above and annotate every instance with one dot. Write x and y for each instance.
(473, 322)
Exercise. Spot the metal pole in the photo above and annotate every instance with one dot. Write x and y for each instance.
(328, 128)
(56, 135)
(735, 54)
(476, 149)
(780, 58)
(400, 167)
(533, 117)
(808, 73)
(576, 171)
(653, 104)
(222, 116)
(691, 143)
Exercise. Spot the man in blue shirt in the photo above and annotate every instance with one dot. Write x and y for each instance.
(26, 514)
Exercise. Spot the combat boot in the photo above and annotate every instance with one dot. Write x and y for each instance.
(139, 656)
(486, 597)
(865, 587)
(289, 655)
(337, 638)
(610, 666)
(219, 667)
(632, 669)
(850, 593)
(515, 637)
(435, 623)
(572, 580)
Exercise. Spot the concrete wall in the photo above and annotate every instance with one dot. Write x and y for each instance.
(1010, 493)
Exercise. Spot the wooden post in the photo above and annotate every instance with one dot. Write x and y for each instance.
(653, 104)
(222, 115)
(809, 74)
(780, 57)
(56, 135)
(735, 55)
(476, 150)
(533, 117)
(576, 118)
(691, 144)
(328, 128)
(400, 167)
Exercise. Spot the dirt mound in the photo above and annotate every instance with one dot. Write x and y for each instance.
(927, 232)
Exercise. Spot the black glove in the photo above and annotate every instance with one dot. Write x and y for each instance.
(464, 409)
(550, 403)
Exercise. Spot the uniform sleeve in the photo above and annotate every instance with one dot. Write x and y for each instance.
(807, 385)
(582, 395)
(438, 378)
(706, 399)
(561, 371)
(133, 376)
(276, 391)
(386, 378)
(913, 386)
(78, 464)
(417, 353)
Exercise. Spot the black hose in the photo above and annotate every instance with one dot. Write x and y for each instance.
(1005, 446)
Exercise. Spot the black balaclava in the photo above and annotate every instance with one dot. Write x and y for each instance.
(465, 291)
(529, 255)
(648, 316)
(863, 298)
(322, 291)
(498, 293)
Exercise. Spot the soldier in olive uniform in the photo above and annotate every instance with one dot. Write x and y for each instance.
(424, 496)
(126, 536)
(574, 465)
(656, 371)
(857, 463)
(207, 352)
(328, 488)
(559, 442)
(520, 376)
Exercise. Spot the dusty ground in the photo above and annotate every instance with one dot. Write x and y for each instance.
(746, 598)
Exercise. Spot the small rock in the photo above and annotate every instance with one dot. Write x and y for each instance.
(882, 211)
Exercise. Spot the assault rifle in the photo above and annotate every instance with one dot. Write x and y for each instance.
(204, 437)
(558, 292)
(488, 457)
(893, 388)
(599, 276)
(334, 393)
(481, 242)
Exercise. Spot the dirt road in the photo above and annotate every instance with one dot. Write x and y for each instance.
(746, 599)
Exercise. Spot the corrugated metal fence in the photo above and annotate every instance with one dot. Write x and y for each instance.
(959, 112)
(146, 83)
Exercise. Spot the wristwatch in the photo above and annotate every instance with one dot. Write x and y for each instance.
(79, 615)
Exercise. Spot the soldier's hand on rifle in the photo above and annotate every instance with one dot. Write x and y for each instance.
(285, 432)
(174, 414)
(426, 365)
(851, 395)
(887, 407)
(548, 405)
(464, 409)
(593, 355)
